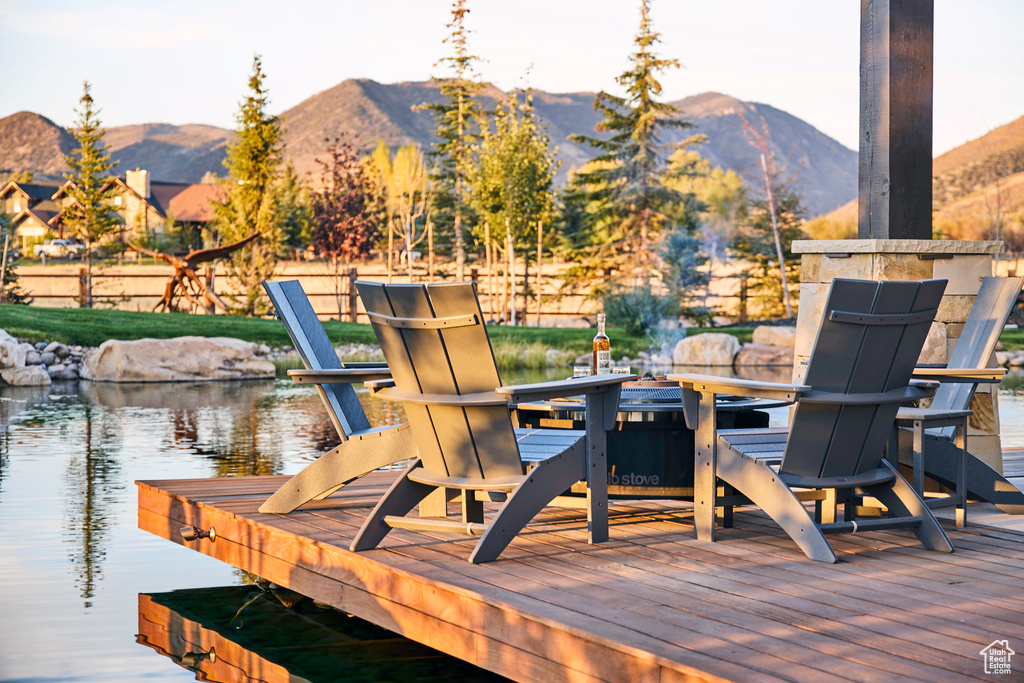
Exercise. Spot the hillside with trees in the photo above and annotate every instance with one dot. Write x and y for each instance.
(977, 192)
(371, 111)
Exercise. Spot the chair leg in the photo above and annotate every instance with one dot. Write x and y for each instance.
(546, 481)
(402, 497)
(902, 500)
(472, 508)
(334, 469)
(982, 482)
(763, 487)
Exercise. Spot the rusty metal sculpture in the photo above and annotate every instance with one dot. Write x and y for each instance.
(186, 283)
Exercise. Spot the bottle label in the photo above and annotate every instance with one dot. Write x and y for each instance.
(604, 362)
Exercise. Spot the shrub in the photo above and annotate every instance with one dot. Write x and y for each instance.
(638, 310)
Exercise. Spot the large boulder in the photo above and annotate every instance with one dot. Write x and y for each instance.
(768, 335)
(763, 355)
(710, 348)
(31, 376)
(12, 353)
(182, 359)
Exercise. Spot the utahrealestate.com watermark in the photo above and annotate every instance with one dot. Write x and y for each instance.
(997, 657)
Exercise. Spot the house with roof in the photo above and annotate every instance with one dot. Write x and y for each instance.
(33, 209)
(143, 205)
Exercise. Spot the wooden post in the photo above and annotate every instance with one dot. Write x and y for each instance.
(211, 278)
(84, 298)
(353, 295)
(895, 173)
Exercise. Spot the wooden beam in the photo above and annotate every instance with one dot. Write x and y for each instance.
(895, 174)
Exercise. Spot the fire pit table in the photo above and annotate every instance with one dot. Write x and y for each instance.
(650, 451)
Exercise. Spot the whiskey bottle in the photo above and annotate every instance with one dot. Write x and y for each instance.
(602, 349)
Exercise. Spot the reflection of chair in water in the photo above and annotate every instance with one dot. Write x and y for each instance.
(436, 345)
(967, 367)
(870, 337)
(204, 630)
(363, 448)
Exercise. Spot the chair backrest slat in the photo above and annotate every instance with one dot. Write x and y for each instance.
(453, 359)
(858, 358)
(317, 353)
(977, 342)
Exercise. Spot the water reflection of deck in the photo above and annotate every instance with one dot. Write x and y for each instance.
(652, 604)
(238, 633)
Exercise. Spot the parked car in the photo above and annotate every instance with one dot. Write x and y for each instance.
(58, 249)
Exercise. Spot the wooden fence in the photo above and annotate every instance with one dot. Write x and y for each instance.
(139, 288)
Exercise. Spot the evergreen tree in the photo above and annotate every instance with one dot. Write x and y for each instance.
(295, 226)
(457, 118)
(91, 191)
(755, 243)
(253, 197)
(10, 290)
(629, 202)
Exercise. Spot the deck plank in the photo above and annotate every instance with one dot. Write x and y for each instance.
(651, 604)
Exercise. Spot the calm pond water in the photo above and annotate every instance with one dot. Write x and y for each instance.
(73, 564)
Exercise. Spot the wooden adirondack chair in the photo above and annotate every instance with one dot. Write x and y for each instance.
(967, 367)
(363, 448)
(857, 377)
(444, 373)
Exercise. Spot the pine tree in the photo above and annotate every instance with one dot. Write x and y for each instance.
(629, 202)
(10, 290)
(253, 202)
(457, 118)
(91, 191)
(295, 227)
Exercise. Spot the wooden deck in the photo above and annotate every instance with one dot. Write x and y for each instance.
(652, 604)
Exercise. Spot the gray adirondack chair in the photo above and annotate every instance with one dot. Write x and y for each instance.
(858, 374)
(363, 448)
(967, 367)
(444, 374)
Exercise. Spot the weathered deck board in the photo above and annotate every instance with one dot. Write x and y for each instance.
(651, 604)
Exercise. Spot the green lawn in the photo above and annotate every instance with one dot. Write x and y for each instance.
(91, 327)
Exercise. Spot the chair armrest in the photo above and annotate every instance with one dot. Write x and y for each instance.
(376, 385)
(339, 376)
(520, 393)
(960, 375)
(740, 387)
(483, 398)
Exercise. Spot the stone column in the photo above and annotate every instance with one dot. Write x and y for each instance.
(963, 263)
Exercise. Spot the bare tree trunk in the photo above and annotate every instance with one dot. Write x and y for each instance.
(489, 255)
(644, 266)
(85, 295)
(408, 248)
(540, 253)
(430, 251)
(504, 285)
(511, 255)
(778, 238)
(391, 247)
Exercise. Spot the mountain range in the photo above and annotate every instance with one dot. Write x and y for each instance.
(825, 171)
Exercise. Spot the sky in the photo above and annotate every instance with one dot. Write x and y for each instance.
(188, 62)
